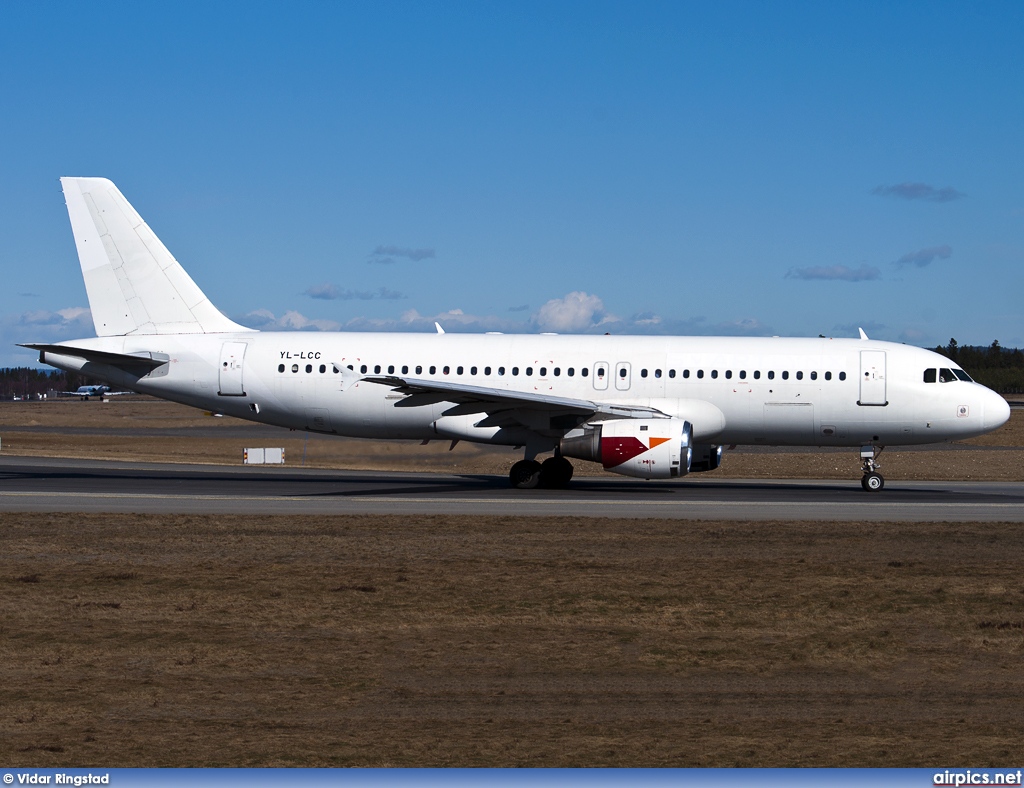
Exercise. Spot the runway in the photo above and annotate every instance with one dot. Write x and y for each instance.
(62, 485)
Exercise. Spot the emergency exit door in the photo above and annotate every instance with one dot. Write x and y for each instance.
(872, 378)
(230, 377)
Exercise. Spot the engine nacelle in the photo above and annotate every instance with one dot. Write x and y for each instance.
(706, 457)
(646, 448)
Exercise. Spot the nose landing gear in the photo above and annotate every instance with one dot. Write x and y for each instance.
(872, 481)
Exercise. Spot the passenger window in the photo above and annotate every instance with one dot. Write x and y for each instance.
(558, 371)
(433, 370)
(309, 368)
(600, 372)
(714, 374)
(828, 376)
(362, 369)
(842, 376)
(814, 376)
(799, 375)
(487, 370)
(743, 374)
(757, 374)
(929, 375)
(643, 373)
(686, 373)
(501, 370)
(391, 369)
(728, 374)
(622, 373)
(584, 372)
(543, 372)
(771, 374)
(785, 375)
(280, 367)
(458, 371)
(376, 369)
(700, 373)
(405, 369)
(323, 368)
(295, 367)
(657, 373)
(529, 371)
(472, 370)
(515, 371)
(671, 373)
(570, 372)
(446, 370)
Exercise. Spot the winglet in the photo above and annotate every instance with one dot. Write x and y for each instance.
(862, 334)
(438, 327)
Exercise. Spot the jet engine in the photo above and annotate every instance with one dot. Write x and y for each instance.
(645, 448)
(706, 457)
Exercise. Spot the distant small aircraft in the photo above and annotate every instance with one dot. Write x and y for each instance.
(84, 392)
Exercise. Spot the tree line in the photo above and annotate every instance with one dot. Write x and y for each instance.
(31, 383)
(1000, 368)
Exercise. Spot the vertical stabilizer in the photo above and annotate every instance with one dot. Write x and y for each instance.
(135, 285)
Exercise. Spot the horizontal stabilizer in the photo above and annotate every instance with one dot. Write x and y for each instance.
(121, 360)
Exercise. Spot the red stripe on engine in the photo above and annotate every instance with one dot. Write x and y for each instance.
(615, 451)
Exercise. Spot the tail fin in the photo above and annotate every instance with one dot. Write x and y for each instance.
(135, 285)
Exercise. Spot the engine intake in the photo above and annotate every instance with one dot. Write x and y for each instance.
(644, 448)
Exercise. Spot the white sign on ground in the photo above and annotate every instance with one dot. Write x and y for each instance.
(263, 456)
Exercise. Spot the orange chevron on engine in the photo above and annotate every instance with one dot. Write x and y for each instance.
(657, 441)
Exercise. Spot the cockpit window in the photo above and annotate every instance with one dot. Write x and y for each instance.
(929, 375)
(946, 376)
(962, 375)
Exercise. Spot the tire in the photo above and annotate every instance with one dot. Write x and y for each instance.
(555, 473)
(872, 482)
(525, 474)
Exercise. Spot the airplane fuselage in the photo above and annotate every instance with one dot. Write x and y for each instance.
(770, 391)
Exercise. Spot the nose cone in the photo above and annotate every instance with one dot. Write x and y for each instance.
(996, 412)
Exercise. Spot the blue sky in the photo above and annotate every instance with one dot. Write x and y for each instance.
(737, 168)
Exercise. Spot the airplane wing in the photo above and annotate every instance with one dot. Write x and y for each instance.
(469, 399)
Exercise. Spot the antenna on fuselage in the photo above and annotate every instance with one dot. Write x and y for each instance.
(862, 334)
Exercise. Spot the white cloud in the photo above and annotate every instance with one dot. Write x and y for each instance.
(835, 272)
(578, 311)
(919, 191)
(40, 325)
(291, 320)
(923, 257)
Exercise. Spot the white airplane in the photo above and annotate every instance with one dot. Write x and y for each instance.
(647, 407)
(84, 392)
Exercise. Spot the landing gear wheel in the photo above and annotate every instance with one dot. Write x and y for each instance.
(555, 473)
(872, 482)
(525, 474)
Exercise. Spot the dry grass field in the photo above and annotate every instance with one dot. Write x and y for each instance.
(149, 430)
(380, 641)
(130, 640)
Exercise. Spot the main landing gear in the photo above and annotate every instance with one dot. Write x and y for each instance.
(872, 480)
(553, 474)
